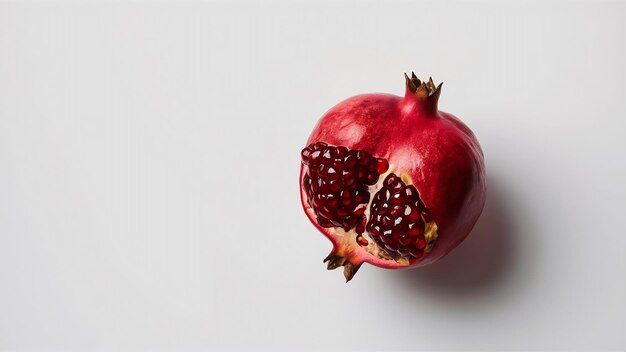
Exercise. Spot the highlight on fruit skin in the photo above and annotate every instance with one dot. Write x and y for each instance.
(392, 181)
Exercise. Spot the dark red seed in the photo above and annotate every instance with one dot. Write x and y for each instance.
(397, 199)
(324, 222)
(351, 161)
(365, 159)
(415, 231)
(371, 179)
(342, 212)
(326, 212)
(382, 166)
(403, 253)
(361, 241)
(413, 215)
(319, 146)
(305, 156)
(321, 171)
(396, 211)
(350, 222)
(392, 246)
(361, 175)
(420, 243)
(315, 155)
(338, 165)
(316, 202)
(426, 215)
(405, 241)
(391, 179)
(361, 197)
(416, 253)
(332, 174)
(335, 186)
(348, 181)
(360, 227)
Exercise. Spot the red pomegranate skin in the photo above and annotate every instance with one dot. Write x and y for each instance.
(435, 149)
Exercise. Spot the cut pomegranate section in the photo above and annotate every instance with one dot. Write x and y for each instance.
(396, 221)
(336, 183)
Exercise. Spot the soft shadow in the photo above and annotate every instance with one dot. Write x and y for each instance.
(481, 262)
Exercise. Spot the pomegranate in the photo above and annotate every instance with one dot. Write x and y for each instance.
(392, 181)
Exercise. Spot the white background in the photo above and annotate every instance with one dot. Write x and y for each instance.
(149, 157)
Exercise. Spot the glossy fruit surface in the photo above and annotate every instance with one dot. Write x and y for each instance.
(392, 181)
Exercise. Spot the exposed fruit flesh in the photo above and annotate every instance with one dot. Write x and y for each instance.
(397, 220)
(338, 183)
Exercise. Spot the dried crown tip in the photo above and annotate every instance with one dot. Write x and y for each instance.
(425, 88)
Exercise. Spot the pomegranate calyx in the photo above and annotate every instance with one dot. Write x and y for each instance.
(333, 261)
(425, 92)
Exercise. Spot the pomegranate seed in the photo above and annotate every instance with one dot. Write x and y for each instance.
(414, 215)
(415, 230)
(324, 222)
(360, 228)
(420, 243)
(415, 253)
(318, 146)
(364, 159)
(426, 215)
(405, 241)
(306, 152)
(382, 165)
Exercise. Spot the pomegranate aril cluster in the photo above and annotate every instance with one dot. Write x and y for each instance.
(336, 183)
(397, 220)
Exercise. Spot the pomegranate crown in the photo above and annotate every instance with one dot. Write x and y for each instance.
(425, 91)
